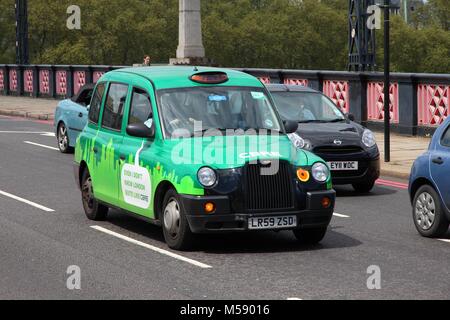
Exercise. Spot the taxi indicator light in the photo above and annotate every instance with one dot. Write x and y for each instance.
(303, 175)
(326, 202)
(210, 77)
(209, 207)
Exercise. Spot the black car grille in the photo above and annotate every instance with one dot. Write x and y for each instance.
(268, 192)
(337, 150)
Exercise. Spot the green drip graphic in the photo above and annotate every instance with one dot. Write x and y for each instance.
(106, 167)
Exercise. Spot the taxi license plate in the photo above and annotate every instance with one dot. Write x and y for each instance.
(272, 222)
(343, 165)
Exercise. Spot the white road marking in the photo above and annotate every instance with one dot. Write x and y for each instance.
(30, 132)
(340, 215)
(41, 145)
(31, 203)
(148, 246)
(445, 240)
(294, 298)
(49, 134)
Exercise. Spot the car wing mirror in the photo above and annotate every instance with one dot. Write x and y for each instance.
(350, 116)
(140, 130)
(290, 126)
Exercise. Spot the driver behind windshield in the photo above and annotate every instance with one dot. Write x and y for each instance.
(216, 108)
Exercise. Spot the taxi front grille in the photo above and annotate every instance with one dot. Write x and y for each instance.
(268, 191)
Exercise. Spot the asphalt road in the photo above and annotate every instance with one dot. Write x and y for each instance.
(40, 239)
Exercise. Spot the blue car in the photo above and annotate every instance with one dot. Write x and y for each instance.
(71, 117)
(429, 185)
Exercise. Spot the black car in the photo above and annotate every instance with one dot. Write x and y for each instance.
(349, 149)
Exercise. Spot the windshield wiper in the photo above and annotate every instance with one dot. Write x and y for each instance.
(322, 121)
(336, 120)
(311, 121)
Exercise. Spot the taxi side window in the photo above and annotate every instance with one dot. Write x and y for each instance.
(141, 108)
(114, 106)
(446, 138)
(96, 103)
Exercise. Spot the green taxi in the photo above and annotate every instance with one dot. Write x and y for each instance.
(198, 150)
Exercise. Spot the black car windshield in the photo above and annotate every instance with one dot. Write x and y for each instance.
(307, 107)
(197, 109)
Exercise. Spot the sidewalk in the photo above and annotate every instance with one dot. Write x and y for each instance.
(404, 150)
(41, 109)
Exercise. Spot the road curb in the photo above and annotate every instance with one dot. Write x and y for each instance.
(29, 115)
(394, 174)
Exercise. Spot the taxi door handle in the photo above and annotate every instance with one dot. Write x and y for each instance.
(438, 160)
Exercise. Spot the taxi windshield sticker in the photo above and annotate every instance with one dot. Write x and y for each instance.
(257, 95)
(217, 98)
(136, 183)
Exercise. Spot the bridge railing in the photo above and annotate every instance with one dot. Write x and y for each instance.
(419, 103)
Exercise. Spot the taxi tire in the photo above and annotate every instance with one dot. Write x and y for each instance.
(184, 240)
(310, 236)
(98, 212)
(441, 223)
(364, 187)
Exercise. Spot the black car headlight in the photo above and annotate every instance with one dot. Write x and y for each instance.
(368, 138)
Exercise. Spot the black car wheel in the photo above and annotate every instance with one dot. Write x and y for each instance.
(63, 139)
(310, 236)
(177, 233)
(93, 209)
(364, 187)
(429, 217)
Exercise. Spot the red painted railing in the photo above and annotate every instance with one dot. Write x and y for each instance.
(44, 82)
(418, 102)
(79, 80)
(2, 80)
(433, 104)
(61, 83)
(296, 82)
(375, 102)
(338, 92)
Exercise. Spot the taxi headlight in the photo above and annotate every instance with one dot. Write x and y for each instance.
(207, 176)
(320, 172)
(368, 138)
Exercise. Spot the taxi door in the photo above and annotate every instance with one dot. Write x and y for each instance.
(136, 190)
(108, 142)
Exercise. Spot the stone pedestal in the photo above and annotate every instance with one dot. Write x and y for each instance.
(190, 48)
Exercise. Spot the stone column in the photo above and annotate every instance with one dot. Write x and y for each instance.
(190, 48)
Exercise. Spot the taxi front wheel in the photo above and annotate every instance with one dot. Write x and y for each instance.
(177, 233)
(310, 236)
(93, 209)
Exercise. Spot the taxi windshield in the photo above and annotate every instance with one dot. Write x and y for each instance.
(307, 107)
(198, 109)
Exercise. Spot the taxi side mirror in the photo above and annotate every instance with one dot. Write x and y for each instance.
(290, 126)
(140, 130)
